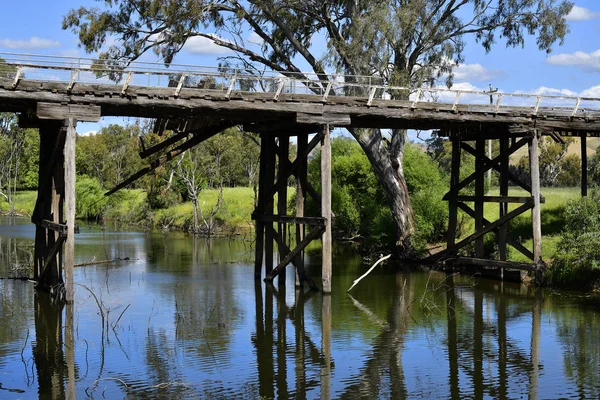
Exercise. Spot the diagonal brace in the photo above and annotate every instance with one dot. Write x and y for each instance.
(453, 249)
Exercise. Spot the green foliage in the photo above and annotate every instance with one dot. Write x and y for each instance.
(557, 169)
(427, 185)
(359, 203)
(90, 202)
(577, 261)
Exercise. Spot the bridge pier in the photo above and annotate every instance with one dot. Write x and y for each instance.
(275, 156)
(509, 141)
(54, 212)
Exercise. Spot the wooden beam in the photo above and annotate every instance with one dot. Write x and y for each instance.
(326, 209)
(70, 174)
(454, 181)
(296, 165)
(584, 165)
(79, 112)
(51, 255)
(487, 164)
(518, 246)
(534, 163)
(484, 262)
(331, 119)
(479, 194)
(300, 200)
(290, 219)
(497, 199)
(170, 155)
(315, 233)
(61, 229)
(259, 211)
(453, 249)
(283, 154)
(503, 230)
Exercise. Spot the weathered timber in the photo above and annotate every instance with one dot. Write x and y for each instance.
(534, 164)
(479, 194)
(80, 112)
(295, 166)
(454, 181)
(269, 176)
(258, 213)
(170, 155)
(453, 249)
(584, 165)
(283, 173)
(313, 234)
(151, 102)
(289, 219)
(300, 199)
(326, 209)
(62, 229)
(47, 257)
(497, 199)
(503, 230)
(522, 249)
(70, 176)
(487, 164)
(483, 262)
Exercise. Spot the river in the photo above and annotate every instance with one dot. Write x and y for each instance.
(184, 318)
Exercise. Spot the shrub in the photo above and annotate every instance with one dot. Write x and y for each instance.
(577, 261)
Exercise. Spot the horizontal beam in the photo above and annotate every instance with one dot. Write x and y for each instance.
(290, 219)
(79, 112)
(497, 199)
(53, 226)
(482, 262)
(242, 107)
(489, 228)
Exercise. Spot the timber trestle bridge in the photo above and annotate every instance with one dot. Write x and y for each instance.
(195, 103)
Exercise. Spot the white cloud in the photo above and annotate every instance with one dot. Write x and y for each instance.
(547, 91)
(204, 46)
(254, 38)
(88, 133)
(587, 61)
(33, 42)
(475, 73)
(582, 14)
(594, 91)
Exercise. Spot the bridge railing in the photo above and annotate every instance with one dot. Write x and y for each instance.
(371, 89)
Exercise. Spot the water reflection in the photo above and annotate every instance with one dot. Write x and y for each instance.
(185, 319)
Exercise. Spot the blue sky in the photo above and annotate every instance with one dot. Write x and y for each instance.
(34, 26)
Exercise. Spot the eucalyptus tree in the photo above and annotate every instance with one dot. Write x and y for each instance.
(403, 42)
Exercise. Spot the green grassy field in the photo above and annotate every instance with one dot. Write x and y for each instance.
(234, 216)
(520, 228)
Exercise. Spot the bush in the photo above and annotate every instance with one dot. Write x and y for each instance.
(90, 201)
(359, 203)
(577, 261)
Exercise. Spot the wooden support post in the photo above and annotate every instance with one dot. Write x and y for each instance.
(69, 166)
(584, 165)
(503, 232)
(479, 193)
(47, 272)
(269, 177)
(260, 209)
(283, 153)
(300, 199)
(534, 163)
(326, 208)
(454, 181)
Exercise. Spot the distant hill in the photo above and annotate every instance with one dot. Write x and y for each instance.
(574, 148)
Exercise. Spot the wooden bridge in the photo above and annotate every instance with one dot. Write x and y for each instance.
(53, 93)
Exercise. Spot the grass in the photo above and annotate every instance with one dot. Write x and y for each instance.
(24, 204)
(520, 228)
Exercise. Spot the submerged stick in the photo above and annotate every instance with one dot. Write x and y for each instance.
(382, 259)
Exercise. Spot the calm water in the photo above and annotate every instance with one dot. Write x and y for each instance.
(184, 318)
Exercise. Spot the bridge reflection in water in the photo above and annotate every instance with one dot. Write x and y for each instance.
(199, 328)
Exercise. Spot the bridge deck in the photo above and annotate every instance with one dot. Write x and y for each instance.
(353, 102)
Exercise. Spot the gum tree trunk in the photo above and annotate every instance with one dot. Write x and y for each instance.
(386, 159)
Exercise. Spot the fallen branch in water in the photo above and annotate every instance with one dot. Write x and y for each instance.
(102, 262)
(382, 259)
